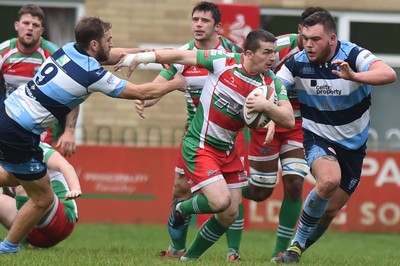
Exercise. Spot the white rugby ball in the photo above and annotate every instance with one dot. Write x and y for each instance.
(259, 120)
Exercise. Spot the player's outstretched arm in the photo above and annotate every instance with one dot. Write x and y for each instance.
(117, 52)
(59, 163)
(164, 56)
(379, 73)
(153, 90)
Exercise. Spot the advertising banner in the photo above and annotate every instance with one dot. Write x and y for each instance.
(134, 185)
(125, 185)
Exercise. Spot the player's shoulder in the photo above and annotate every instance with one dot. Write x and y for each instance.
(83, 60)
(8, 44)
(347, 46)
(289, 39)
(229, 45)
(48, 46)
(188, 46)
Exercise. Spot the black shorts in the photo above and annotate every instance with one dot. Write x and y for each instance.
(20, 153)
(350, 161)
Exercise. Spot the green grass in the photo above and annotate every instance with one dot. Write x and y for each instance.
(104, 244)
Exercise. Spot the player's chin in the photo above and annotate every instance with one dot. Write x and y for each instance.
(267, 68)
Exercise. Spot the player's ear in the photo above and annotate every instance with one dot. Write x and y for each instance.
(299, 28)
(217, 28)
(332, 39)
(94, 45)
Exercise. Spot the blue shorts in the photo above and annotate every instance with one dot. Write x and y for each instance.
(20, 153)
(350, 161)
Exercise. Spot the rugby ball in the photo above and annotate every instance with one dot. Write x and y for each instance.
(259, 120)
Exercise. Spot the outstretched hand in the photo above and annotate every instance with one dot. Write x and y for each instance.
(344, 70)
(73, 194)
(127, 60)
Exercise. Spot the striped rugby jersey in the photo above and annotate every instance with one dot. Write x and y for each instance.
(333, 108)
(65, 80)
(196, 76)
(18, 68)
(287, 46)
(220, 112)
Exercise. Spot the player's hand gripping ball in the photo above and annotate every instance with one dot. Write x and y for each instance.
(259, 119)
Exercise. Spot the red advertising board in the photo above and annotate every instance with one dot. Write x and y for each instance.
(134, 185)
(125, 185)
(238, 20)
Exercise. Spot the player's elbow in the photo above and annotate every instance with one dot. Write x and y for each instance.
(392, 76)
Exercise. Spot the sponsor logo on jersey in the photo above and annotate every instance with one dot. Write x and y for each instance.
(192, 70)
(111, 79)
(63, 60)
(327, 90)
(308, 70)
(229, 81)
(251, 81)
(28, 91)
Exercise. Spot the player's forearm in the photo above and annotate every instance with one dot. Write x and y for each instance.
(71, 177)
(116, 53)
(147, 91)
(379, 74)
(167, 56)
(281, 115)
(71, 120)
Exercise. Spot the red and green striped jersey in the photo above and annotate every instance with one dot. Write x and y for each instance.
(220, 112)
(196, 76)
(287, 46)
(18, 68)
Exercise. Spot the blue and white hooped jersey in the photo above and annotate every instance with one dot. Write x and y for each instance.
(64, 81)
(333, 108)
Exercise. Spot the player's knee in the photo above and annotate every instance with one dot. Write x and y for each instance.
(261, 184)
(220, 204)
(327, 186)
(293, 186)
(259, 193)
(181, 188)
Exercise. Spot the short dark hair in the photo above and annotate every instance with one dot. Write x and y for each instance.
(311, 10)
(208, 6)
(33, 10)
(89, 29)
(324, 18)
(255, 37)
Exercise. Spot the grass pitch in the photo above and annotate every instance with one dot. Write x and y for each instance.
(105, 244)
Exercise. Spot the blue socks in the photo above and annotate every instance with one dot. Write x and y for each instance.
(8, 247)
(314, 208)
